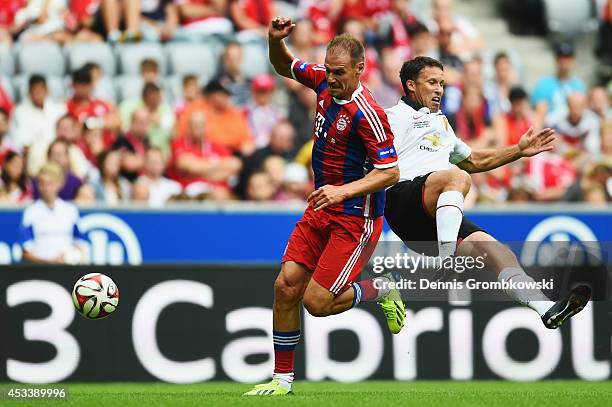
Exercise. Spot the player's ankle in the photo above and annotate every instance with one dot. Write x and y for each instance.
(285, 380)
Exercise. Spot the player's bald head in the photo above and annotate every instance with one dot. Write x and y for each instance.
(346, 43)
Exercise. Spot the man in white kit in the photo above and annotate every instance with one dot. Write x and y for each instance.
(427, 203)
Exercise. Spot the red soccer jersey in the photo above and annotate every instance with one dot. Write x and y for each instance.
(93, 108)
(351, 137)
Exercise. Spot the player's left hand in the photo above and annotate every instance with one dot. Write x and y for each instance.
(532, 143)
(327, 195)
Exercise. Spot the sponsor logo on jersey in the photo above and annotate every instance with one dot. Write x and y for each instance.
(386, 152)
(434, 138)
(435, 142)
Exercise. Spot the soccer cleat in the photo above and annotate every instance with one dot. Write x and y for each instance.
(393, 308)
(272, 388)
(564, 309)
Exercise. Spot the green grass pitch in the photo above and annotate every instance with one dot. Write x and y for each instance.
(371, 393)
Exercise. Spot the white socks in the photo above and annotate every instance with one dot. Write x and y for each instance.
(284, 379)
(533, 298)
(449, 214)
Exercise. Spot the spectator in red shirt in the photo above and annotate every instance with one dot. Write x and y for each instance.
(5, 101)
(200, 165)
(517, 121)
(8, 28)
(472, 122)
(200, 18)
(397, 28)
(15, 187)
(552, 174)
(6, 146)
(96, 113)
(251, 17)
(325, 16)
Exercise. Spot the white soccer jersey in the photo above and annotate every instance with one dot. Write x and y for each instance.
(50, 232)
(424, 141)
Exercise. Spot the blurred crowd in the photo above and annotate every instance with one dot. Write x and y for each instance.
(241, 137)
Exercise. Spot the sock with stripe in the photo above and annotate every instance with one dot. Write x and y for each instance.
(533, 298)
(365, 291)
(284, 356)
(449, 214)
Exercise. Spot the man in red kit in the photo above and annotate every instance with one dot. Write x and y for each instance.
(95, 113)
(353, 160)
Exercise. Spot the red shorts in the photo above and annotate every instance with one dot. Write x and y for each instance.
(334, 245)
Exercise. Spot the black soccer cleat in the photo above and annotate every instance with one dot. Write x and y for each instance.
(566, 308)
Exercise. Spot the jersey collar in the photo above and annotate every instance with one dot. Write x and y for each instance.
(353, 96)
(418, 107)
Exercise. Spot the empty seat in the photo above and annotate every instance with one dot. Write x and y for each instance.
(254, 60)
(105, 90)
(7, 62)
(128, 87)
(197, 59)
(57, 88)
(45, 58)
(132, 55)
(101, 53)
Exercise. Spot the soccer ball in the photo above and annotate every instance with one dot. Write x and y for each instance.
(95, 296)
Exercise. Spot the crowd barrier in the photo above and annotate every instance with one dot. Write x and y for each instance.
(252, 234)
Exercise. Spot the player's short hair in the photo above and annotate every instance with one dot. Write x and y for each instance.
(349, 44)
(411, 69)
(36, 79)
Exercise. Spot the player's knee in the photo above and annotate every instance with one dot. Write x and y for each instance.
(315, 307)
(285, 292)
(461, 180)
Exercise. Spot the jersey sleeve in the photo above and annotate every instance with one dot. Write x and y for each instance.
(311, 75)
(461, 151)
(377, 137)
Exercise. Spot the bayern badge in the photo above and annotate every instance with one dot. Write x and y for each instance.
(342, 123)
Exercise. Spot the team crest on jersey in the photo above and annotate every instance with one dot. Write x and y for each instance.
(343, 122)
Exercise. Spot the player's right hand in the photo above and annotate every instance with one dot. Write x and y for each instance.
(280, 27)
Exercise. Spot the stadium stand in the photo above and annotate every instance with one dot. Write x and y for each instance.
(477, 99)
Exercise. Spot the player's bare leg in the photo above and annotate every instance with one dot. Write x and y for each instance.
(288, 292)
(443, 198)
(505, 264)
(320, 302)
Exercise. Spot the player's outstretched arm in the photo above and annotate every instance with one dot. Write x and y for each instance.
(280, 56)
(376, 180)
(530, 144)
